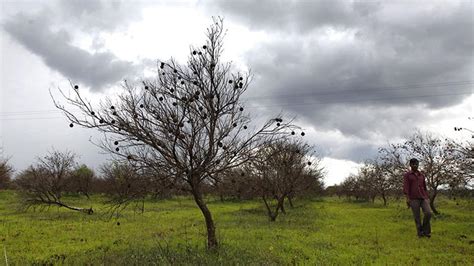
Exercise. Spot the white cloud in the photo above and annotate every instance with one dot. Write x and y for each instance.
(337, 170)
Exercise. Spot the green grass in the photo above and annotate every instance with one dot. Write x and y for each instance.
(325, 232)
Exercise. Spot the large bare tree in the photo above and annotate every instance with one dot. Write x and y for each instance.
(189, 123)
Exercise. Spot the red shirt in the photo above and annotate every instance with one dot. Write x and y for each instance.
(414, 185)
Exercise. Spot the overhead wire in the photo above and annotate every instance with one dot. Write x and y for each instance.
(6, 116)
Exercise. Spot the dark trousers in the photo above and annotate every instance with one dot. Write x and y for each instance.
(416, 204)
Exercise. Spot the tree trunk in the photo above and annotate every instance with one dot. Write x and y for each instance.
(281, 205)
(432, 199)
(239, 196)
(291, 202)
(384, 199)
(271, 215)
(84, 210)
(211, 229)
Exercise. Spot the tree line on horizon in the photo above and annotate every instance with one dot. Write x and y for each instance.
(446, 164)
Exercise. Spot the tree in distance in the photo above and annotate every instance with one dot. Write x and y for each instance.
(81, 180)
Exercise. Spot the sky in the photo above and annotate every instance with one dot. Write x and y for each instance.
(357, 75)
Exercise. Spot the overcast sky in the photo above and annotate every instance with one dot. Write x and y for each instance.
(356, 74)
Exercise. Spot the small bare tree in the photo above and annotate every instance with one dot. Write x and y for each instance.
(350, 187)
(462, 180)
(384, 183)
(374, 180)
(188, 123)
(235, 183)
(81, 180)
(45, 183)
(281, 170)
(125, 184)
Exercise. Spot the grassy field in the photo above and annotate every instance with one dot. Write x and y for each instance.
(326, 231)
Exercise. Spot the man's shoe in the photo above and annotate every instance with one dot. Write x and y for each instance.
(421, 234)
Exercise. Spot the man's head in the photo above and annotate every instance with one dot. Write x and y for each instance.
(414, 164)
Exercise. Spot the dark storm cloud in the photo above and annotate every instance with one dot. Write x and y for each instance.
(99, 15)
(359, 53)
(370, 70)
(381, 53)
(300, 16)
(48, 32)
(54, 47)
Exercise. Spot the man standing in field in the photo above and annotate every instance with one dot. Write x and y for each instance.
(414, 188)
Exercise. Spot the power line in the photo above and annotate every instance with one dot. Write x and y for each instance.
(29, 112)
(298, 104)
(314, 93)
(293, 95)
(377, 89)
(30, 118)
(364, 100)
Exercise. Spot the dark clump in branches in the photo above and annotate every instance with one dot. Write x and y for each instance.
(174, 124)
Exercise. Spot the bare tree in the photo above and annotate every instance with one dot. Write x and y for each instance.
(125, 184)
(467, 165)
(462, 179)
(81, 180)
(234, 183)
(366, 180)
(45, 183)
(384, 182)
(5, 174)
(350, 187)
(281, 170)
(375, 180)
(395, 165)
(188, 123)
